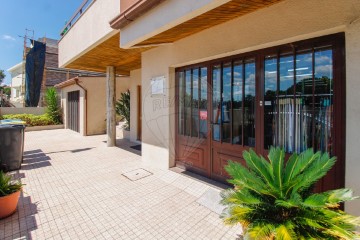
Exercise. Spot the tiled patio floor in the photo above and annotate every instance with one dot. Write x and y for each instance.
(75, 190)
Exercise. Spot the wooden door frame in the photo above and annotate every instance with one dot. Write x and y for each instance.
(139, 113)
(337, 41)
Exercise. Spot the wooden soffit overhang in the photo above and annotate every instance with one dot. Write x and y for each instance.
(108, 53)
(227, 11)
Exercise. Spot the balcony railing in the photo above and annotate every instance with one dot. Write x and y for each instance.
(77, 15)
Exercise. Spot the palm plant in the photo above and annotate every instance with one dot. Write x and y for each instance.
(122, 108)
(274, 200)
(7, 186)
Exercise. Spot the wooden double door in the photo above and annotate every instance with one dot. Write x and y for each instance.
(290, 96)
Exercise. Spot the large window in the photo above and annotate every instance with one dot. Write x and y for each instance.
(192, 102)
(233, 102)
(298, 95)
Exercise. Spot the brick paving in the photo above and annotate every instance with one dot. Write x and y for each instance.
(75, 190)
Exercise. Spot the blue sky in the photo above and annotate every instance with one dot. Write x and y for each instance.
(45, 17)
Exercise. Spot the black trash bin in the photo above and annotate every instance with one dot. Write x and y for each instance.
(11, 146)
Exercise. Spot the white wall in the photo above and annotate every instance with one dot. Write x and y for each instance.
(285, 22)
(352, 168)
(89, 31)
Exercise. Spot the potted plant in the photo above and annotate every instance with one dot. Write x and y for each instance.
(274, 200)
(122, 108)
(9, 195)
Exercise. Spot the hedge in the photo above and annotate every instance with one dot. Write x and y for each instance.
(31, 119)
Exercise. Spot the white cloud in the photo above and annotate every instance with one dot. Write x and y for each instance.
(8, 37)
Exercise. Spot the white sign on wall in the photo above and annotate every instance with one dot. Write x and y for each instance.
(158, 85)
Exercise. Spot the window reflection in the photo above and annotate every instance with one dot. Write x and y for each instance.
(299, 114)
(216, 87)
(237, 102)
(226, 102)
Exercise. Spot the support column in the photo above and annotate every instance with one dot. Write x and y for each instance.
(110, 106)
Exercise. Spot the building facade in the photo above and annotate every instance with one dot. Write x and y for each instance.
(219, 77)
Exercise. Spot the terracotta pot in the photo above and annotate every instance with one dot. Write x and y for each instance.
(8, 204)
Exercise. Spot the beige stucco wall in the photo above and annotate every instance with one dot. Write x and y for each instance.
(96, 102)
(89, 31)
(284, 22)
(352, 168)
(135, 81)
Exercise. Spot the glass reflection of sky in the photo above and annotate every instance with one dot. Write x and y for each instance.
(323, 64)
(237, 84)
(270, 74)
(195, 84)
(303, 67)
(227, 82)
(203, 90)
(286, 76)
(250, 79)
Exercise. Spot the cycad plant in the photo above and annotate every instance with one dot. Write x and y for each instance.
(274, 200)
(7, 186)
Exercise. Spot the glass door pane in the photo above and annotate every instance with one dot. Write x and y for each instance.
(226, 103)
(203, 103)
(286, 106)
(324, 100)
(237, 102)
(195, 103)
(181, 102)
(187, 125)
(270, 103)
(303, 102)
(216, 101)
(249, 104)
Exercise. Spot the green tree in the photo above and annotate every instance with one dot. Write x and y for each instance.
(52, 103)
(2, 76)
(273, 199)
(122, 108)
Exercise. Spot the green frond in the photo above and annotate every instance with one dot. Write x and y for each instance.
(339, 233)
(290, 167)
(245, 179)
(229, 196)
(259, 166)
(315, 171)
(316, 200)
(295, 201)
(285, 232)
(273, 200)
(235, 214)
(276, 157)
(340, 195)
(260, 231)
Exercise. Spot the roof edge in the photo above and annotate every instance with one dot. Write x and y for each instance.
(133, 12)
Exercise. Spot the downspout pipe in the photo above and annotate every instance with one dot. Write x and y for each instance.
(86, 103)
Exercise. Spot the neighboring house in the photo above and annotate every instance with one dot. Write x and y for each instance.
(52, 74)
(16, 84)
(83, 101)
(219, 77)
